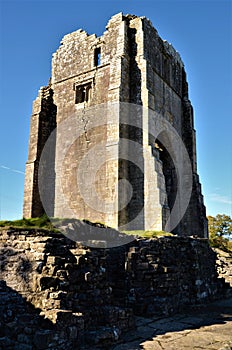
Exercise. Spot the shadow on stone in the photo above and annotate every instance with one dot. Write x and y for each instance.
(22, 326)
(192, 326)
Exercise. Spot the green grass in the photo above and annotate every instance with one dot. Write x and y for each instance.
(43, 222)
(148, 234)
(36, 223)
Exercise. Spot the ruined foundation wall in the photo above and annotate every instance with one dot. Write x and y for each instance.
(100, 290)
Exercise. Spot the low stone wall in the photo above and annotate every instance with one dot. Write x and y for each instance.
(87, 296)
(224, 265)
(166, 274)
(23, 328)
(69, 284)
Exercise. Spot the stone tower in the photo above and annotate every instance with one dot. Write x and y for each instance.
(129, 65)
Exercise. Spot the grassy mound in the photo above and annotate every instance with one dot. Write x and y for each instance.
(44, 222)
(33, 223)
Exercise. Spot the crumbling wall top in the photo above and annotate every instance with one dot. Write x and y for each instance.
(115, 20)
(172, 52)
(78, 34)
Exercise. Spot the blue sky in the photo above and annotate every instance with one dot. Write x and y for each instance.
(30, 31)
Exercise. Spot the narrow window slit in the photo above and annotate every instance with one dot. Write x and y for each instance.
(97, 56)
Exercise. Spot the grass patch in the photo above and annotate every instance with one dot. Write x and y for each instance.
(36, 223)
(148, 234)
(44, 222)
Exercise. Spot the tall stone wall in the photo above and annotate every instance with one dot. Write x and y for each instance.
(72, 295)
(105, 90)
(43, 122)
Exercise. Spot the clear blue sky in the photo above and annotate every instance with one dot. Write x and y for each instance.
(200, 30)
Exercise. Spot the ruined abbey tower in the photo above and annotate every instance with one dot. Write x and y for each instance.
(125, 78)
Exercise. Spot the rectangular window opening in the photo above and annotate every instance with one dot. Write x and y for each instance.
(97, 56)
(83, 93)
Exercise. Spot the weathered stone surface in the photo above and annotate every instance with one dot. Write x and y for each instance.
(137, 67)
(22, 327)
(224, 265)
(208, 328)
(75, 293)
